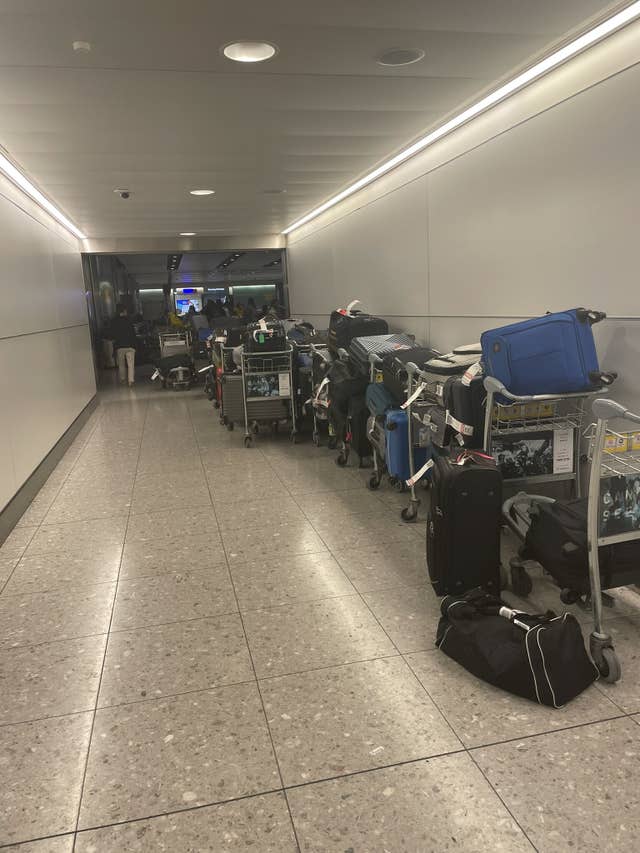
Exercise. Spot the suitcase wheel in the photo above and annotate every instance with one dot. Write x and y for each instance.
(409, 513)
(374, 481)
(342, 459)
(316, 438)
(248, 441)
(521, 583)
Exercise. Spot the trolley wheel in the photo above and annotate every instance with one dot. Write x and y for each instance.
(316, 438)
(294, 437)
(342, 459)
(409, 513)
(255, 429)
(374, 482)
(332, 443)
(569, 596)
(248, 441)
(393, 481)
(230, 426)
(610, 666)
(521, 583)
(275, 426)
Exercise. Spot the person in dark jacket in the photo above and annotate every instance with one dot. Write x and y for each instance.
(124, 343)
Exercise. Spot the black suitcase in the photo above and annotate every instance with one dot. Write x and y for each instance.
(463, 524)
(430, 424)
(268, 336)
(394, 371)
(359, 415)
(361, 348)
(344, 327)
(465, 404)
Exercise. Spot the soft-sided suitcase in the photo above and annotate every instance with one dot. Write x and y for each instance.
(378, 399)
(345, 325)
(358, 416)
(397, 446)
(464, 400)
(437, 370)
(554, 354)
(463, 524)
(430, 424)
(394, 368)
(265, 336)
(362, 347)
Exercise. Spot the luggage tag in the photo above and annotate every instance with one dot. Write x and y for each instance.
(415, 395)
(420, 474)
(470, 373)
(155, 375)
(463, 429)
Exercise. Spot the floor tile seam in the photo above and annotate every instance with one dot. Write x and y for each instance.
(264, 712)
(341, 665)
(613, 701)
(13, 844)
(106, 648)
(571, 727)
(9, 649)
(8, 594)
(298, 601)
(502, 800)
(148, 699)
(44, 719)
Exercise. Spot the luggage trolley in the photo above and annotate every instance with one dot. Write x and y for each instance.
(174, 343)
(605, 550)
(268, 391)
(321, 360)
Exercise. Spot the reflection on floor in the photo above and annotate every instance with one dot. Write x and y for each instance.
(209, 648)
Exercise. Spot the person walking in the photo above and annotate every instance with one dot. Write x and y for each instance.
(124, 343)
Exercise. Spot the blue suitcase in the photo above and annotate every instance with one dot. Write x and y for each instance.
(554, 354)
(397, 446)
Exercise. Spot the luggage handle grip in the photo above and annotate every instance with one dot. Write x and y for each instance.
(584, 315)
(606, 409)
(374, 358)
(603, 378)
(343, 355)
(494, 386)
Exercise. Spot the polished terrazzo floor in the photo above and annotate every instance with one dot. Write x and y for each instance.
(207, 648)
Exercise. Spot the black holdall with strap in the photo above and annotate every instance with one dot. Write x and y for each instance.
(541, 657)
(348, 323)
(265, 336)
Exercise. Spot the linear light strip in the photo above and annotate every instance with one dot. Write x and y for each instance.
(16, 176)
(587, 39)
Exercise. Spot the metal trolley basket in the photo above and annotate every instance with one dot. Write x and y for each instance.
(268, 391)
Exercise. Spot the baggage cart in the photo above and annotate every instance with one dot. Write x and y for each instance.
(174, 343)
(321, 359)
(611, 554)
(267, 391)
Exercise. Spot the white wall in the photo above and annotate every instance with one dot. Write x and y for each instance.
(46, 366)
(532, 207)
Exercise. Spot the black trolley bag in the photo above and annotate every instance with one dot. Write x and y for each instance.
(265, 336)
(464, 400)
(463, 523)
(541, 657)
(345, 324)
(394, 368)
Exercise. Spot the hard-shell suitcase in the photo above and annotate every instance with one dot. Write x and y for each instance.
(437, 370)
(265, 336)
(232, 400)
(378, 398)
(345, 325)
(554, 354)
(397, 446)
(464, 400)
(394, 371)
(362, 347)
(463, 524)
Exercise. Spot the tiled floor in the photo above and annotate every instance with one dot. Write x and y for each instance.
(207, 648)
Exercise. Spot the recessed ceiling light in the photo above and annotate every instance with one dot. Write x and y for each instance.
(250, 51)
(187, 233)
(82, 46)
(400, 56)
(202, 192)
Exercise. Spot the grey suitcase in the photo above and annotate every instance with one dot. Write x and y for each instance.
(361, 348)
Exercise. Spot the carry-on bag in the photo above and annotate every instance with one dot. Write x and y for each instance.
(430, 424)
(463, 523)
(394, 370)
(347, 323)
(557, 539)
(554, 354)
(378, 399)
(464, 399)
(265, 336)
(362, 347)
(397, 446)
(541, 657)
(437, 370)
(358, 417)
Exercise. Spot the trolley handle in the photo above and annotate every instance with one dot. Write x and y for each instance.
(319, 352)
(374, 358)
(411, 368)
(343, 355)
(494, 386)
(606, 409)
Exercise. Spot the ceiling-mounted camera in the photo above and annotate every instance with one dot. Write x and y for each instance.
(125, 194)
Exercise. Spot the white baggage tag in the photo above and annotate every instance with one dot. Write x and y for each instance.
(415, 395)
(352, 305)
(155, 374)
(221, 340)
(420, 474)
(463, 429)
(471, 372)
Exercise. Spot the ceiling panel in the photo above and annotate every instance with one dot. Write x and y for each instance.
(157, 109)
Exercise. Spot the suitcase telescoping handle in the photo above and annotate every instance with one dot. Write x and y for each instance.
(585, 315)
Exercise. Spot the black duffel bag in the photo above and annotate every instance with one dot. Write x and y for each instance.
(265, 336)
(540, 657)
